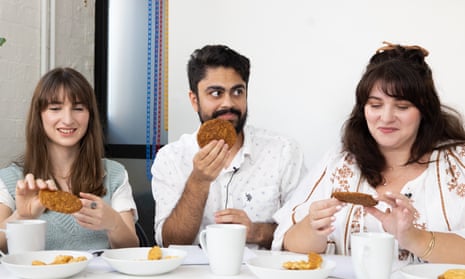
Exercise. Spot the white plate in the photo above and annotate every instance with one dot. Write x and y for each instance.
(133, 261)
(20, 264)
(270, 267)
(427, 271)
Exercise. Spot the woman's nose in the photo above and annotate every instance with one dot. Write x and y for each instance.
(388, 114)
(67, 117)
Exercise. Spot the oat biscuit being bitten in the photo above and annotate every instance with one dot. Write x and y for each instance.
(155, 253)
(60, 201)
(216, 129)
(355, 198)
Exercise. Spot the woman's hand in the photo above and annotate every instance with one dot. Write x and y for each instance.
(321, 216)
(398, 219)
(311, 233)
(96, 214)
(28, 205)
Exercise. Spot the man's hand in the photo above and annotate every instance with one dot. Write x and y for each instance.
(233, 216)
(209, 161)
(257, 233)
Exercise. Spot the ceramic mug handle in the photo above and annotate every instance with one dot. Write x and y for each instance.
(1, 253)
(203, 240)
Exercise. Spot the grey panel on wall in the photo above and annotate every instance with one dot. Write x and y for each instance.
(127, 72)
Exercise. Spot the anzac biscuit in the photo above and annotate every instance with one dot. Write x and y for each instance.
(314, 262)
(355, 198)
(155, 253)
(60, 201)
(453, 274)
(216, 129)
(37, 262)
(61, 259)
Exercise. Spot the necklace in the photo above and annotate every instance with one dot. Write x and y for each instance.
(399, 168)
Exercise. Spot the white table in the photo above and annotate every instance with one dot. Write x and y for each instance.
(98, 268)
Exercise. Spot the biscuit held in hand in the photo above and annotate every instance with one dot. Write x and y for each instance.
(355, 198)
(216, 129)
(60, 201)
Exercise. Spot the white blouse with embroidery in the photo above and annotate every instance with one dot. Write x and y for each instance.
(438, 195)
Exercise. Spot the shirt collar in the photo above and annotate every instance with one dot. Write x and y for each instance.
(245, 150)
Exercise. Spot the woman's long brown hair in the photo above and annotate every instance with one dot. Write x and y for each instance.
(402, 73)
(87, 171)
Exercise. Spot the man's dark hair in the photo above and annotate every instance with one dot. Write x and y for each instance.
(213, 56)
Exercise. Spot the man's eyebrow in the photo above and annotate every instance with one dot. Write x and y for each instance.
(239, 86)
(215, 87)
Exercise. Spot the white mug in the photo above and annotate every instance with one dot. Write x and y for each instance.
(25, 235)
(224, 246)
(372, 255)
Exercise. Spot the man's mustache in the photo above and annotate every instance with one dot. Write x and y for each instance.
(225, 111)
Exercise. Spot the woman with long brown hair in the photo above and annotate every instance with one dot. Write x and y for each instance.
(401, 145)
(64, 152)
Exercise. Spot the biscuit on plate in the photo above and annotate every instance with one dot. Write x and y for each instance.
(155, 253)
(216, 129)
(60, 201)
(314, 261)
(453, 274)
(355, 198)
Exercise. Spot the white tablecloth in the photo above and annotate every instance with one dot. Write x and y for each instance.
(98, 268)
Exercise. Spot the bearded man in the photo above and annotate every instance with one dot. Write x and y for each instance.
(241, 184)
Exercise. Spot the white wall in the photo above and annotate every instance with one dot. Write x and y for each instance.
(19, 70)
(20, 63)
(307, 56)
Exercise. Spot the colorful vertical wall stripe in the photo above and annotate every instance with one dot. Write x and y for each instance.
(157, 79)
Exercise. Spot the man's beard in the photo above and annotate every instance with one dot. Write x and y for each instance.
(238, 126)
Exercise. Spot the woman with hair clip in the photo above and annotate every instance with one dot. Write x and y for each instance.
(404, 147)
(64, 151)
